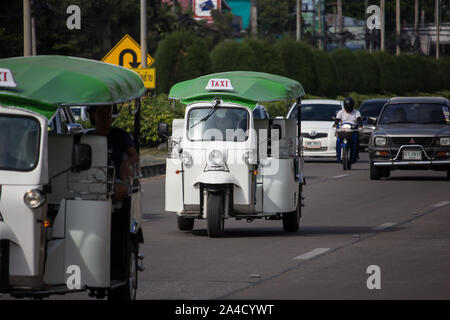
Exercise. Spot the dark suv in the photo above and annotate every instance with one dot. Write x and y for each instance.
(370, 108)
(411, 133)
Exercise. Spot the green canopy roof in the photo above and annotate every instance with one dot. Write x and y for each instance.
(248, 88)
(46, 82)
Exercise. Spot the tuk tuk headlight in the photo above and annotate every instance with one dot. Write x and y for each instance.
(186, 158)
(215, 158)
(249, 158)
(34, 198)
(216, 161)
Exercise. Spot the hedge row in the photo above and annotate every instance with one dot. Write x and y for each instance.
(183, 55)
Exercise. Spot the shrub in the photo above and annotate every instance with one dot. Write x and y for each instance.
(298, 63)
(369, 72)
(181, 56)
(230, 55)
(154, 111)
(389, 73)
(326, 74)
(348, 70)
(267, 57)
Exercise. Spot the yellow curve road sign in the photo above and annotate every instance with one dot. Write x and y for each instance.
(127, 53)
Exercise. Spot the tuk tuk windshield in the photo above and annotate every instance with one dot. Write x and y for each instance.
(224, 124)
(19, 143)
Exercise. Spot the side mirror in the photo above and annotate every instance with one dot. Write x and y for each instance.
(372, 120)
(74, 128)
(163, 130)
(82, 157)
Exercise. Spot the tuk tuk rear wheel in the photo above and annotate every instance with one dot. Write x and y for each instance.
(185, 224)
(129, 290)
(215, 214)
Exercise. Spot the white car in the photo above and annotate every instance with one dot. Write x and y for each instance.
(319, 135)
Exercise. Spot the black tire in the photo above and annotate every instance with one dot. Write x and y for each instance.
(344, 158)
(291, 220)
(386, 173)
(375, 173)
(4, 266)
(448, 174)
(215, 214)
(185, 224)
(128, 291)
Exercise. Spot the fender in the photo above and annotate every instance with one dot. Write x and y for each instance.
(6, 233)
(216, 177)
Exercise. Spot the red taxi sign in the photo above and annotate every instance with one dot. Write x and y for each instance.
(7, 79)
(219, 84)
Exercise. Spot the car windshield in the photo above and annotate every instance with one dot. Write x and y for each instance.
(423, 113)
(19, 143)
(225, 124)
(316, 112)
(371, 109)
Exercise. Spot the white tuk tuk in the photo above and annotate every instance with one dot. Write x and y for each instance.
(224, 162)
(59, 230)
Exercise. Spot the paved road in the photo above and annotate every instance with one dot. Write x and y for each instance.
(401, 225)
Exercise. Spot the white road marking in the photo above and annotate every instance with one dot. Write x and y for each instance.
(341, 176)
(384, 226)
(441, 204)
(311, 254)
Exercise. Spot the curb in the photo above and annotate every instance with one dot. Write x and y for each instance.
(153, 170)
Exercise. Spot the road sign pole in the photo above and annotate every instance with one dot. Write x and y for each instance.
(143, 33)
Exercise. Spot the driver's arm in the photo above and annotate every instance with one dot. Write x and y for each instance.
(132, 158)
(359, 121)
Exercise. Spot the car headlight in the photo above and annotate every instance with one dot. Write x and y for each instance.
(216, 161)
(380, 141)
(34, 198)
(444, 141)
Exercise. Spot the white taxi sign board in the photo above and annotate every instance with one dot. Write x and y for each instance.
(219, 84)
(7, 79)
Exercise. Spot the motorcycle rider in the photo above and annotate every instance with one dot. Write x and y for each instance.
(352, 116)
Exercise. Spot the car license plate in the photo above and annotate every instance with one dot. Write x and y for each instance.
(313, 145)
(412, 155)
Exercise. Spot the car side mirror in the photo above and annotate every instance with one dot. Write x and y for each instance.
(82, 157)
(163, 130)
(372, 120)
(74, 128)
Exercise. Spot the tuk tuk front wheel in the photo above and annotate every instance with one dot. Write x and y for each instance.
(129, 290)
(291, 220)
(215, 214)
(185, 224)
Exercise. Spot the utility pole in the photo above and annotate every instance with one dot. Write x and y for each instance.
(143, 33)
(339, 23)
(26, 28)
(416, 17)
(382, 31)
(33, 38)
(254, 17)
(299, 20)
(319, 15)
(398, 27)
(437, 21)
